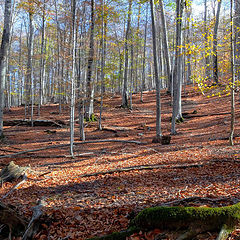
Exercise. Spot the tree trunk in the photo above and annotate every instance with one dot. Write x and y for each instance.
(3, 55)
(233, 76)
(42, 62)
(131, 69)
(215, 41)
(158, 103)
(89, 90)
(188, 73)
(207, 60)
(165, 46)
(103, 45)
(125, 81)
(143, 88)
(177, 74)
(72, 114)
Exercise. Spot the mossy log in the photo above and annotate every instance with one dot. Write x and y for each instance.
(193, 220)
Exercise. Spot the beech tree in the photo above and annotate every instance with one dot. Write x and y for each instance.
(215, 42)
(90, 88)
(126, 46)
(3, 56)
(158, 103)
(165, 46)
(177, 71)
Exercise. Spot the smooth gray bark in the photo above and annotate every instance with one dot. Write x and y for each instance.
(207, 56)
(233, 76)
(237, 38)
(72, 113)
(143, 88)
(215, 41)
(42, 61)
(131, 69)
(158, 103)
(103, 45)
(125, 81)
(188, 73)
(89, 86)
(177, 81)
(3, 55)
(165, 45)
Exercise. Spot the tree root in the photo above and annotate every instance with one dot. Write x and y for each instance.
(225, 231)
(33, 225)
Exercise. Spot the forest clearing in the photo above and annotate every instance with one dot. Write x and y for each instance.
(198, 164)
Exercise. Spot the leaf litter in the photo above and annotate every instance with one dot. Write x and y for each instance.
(83, 207)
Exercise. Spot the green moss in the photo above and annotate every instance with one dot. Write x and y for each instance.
(182, 217)
(180, 120)
(92, 118)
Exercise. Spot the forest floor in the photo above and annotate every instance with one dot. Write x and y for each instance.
(198, 163)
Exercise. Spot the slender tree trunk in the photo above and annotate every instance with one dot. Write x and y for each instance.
(237, 39)
(165, 46)
(215, 36)
(89, 93)
(42, 62)
(207, 60)
(158, 103)
(143, 88)
(188, 73)
(103, 46)
(58, 36)
(131, 72)
(233, 76)
(80, 83)
(125, 81)
(72, 114)
(177, 82)
(29, 84)
(20, 69)
(137, 50)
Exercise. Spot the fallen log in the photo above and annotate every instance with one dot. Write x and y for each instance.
(115, 129)
(12, 172)
(67, 145)
(194, 220)
(37, 122)
(142, 167)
